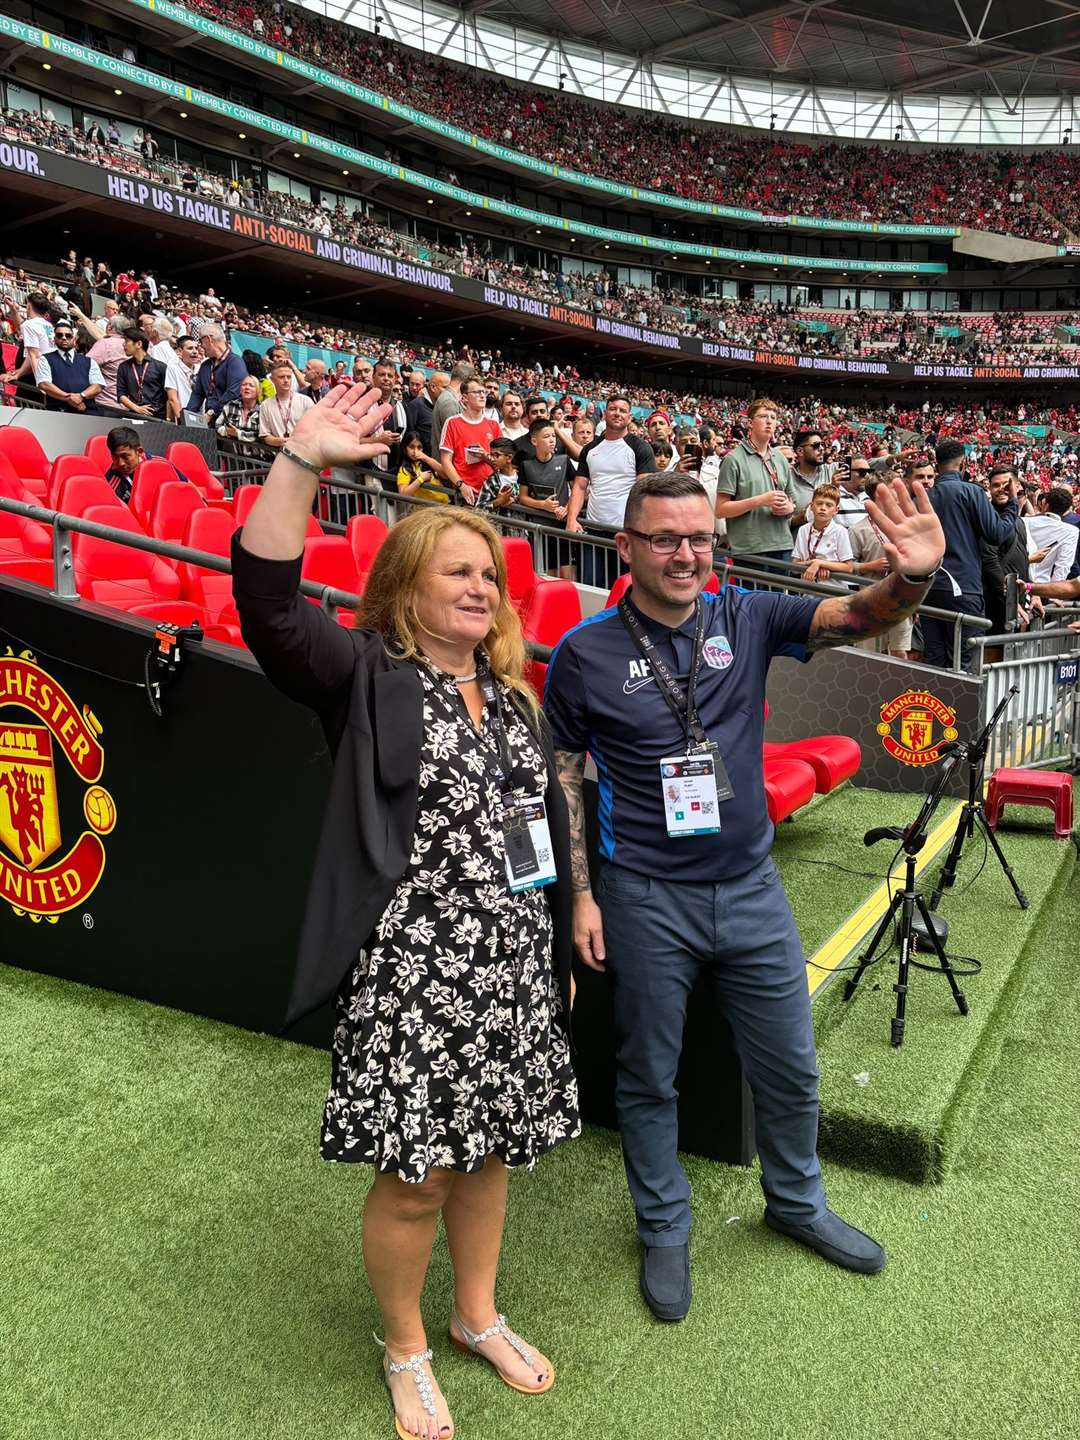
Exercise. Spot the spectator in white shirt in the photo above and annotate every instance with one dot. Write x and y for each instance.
(180, 374)
(1050, 538)
(851, 478)
(279, 416)
(161, 340)
(822, 544)
(36, 333)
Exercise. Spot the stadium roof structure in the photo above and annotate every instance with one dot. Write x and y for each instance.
(954, 47)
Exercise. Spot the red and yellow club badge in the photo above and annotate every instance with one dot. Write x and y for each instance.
(31, 881)
(922, 724)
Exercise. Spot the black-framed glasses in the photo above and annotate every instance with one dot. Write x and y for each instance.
(664, 543)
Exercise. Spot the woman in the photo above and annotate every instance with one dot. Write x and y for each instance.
(239, 419)
(450, 1060)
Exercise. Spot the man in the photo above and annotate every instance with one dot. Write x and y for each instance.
(536, 408)
(386, 381)
(511, 411)
(140, 381)
(466, 438)
(70, 381)
(685, 893)
(127, 454)
(851, 476)
(414, 386)
(583, 432)
(218, 377)
(1049, 536)
(1008, 558)
(362, 371)
(162, 346)
(607, 469)
(810, 470)
(420, 411)
(312, 382)
(919, 469)
(180, 377)
(280, 414)
(107, 352)
(36, 335)
(658, 426)
(868, 553)
(753, 490)
(449, 402)
(966, 517)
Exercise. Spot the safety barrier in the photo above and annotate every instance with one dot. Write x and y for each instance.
(1041, 726)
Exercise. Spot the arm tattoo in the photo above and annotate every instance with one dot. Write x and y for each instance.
(868, 612)
(571, 770)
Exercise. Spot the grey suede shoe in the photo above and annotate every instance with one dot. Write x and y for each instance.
(834, 1240)
(665, 1280)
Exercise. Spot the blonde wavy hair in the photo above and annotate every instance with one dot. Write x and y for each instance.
(403, 558)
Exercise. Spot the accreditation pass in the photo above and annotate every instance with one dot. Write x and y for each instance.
(530, 860)
(691, 804)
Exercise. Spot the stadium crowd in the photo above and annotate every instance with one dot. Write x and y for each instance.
(998, 338)
(1034, 195)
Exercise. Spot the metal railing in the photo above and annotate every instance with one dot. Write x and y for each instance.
(1041, 726)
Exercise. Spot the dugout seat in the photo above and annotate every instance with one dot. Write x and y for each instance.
(833, 758)
(789, 785)
(188, 458)
(11, 485)
(114, 574)
(245, 498)
(365, 534)
(173, 505)
(31, 464)
(78, 493)
(25, 548)
(328, 560)
(211, 530)
(149, 476)
(548, 608)
(64, 466)
(97, 451)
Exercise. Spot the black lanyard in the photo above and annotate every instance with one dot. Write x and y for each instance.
(506, 763)
(680, 702)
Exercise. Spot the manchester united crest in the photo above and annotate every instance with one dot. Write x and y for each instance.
(39, 725)
(915, 726)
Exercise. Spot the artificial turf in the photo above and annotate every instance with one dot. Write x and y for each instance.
(902, 1110)
(179, 1265)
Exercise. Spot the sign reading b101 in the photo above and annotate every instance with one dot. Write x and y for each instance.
(1067, 671)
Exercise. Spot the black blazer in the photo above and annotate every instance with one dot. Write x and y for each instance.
(371, 708)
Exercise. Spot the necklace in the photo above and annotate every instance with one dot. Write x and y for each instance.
(463, 679)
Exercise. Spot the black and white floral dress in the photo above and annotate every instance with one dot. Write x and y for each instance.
(449, 1046)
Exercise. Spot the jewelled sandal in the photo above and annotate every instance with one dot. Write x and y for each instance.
(470, 1343)
(414, 1364)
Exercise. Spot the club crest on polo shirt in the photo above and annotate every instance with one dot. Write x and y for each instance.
(717, 652)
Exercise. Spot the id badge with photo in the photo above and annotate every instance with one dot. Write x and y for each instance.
(530, 861)
(691, 798)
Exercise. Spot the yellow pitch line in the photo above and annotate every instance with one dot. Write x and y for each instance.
(859, 924)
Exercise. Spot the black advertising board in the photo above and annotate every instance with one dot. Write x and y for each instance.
(195, 215)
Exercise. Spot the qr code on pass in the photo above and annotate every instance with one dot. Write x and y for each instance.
(543, 856)
(707, 807)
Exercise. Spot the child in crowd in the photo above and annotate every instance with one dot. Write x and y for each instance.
(500, 489)
(822, 544)
(419, 474)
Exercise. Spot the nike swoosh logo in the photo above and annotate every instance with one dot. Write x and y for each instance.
(629, 686)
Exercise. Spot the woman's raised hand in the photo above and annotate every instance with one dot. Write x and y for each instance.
(338, 430)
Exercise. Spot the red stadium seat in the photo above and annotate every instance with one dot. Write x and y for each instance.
(114, 574)
(12, 487)
(188, 458)
(210, 530)
(832, 758)
(31, 464)
(173, 505)
(78, 492)
(25, 549)
(789, 785)
(245, 498)
(365, 533)
(64, 466)
(712, 586)
(150, 475)
(329, 561)
(97, 451)
(548, 608)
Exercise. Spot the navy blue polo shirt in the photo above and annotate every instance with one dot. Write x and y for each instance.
(602, 697)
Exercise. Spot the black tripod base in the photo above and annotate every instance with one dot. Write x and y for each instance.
(922, 933)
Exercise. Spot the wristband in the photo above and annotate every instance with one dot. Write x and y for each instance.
(308, 465)
(920, 579)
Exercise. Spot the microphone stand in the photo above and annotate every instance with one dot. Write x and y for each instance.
(907, 903)
(974, 813)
